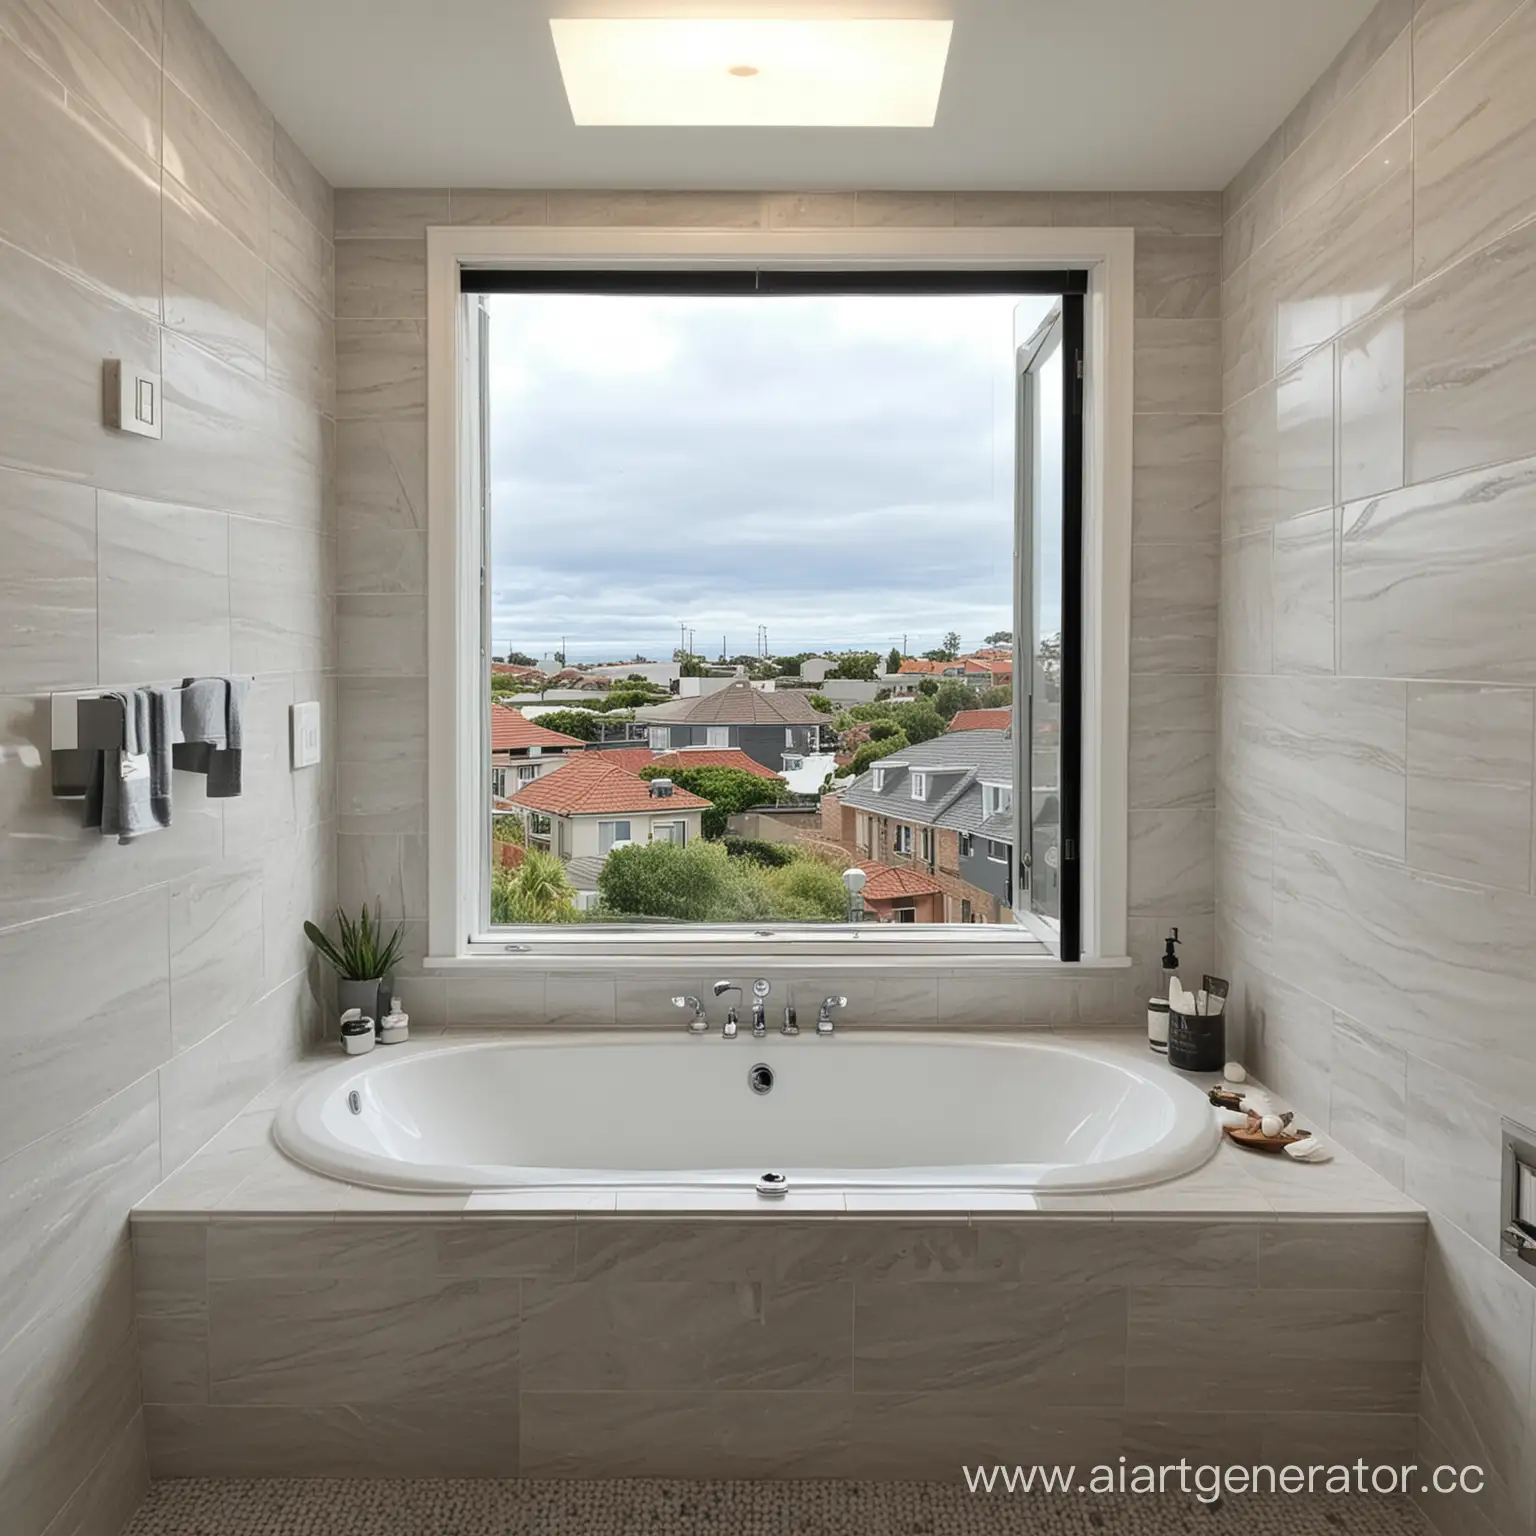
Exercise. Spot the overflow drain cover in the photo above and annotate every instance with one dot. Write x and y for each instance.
(773, 1186)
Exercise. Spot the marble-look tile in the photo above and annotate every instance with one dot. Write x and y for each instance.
(1447, 32)
(1492, 1512)
(1174, 591)
(163, 590)
(71, 193)
(381, 369)
(1261, 165)
(48, 585)
(904, 210)
(1252, 227)
(1003, 210)
(906, 1002)
(72, 1388)
(301, 184)
(216, 950)
(1370, 406)
(215, 287)
(66, 1198)
(1246, 630)
(381, 477)
(1342, 1256)
(809, 210)
(396, 213)
(112, 1491)
(265, 812)
(1470, 772)
(1473, 142)
(1308, 1437)
(1477, 1357)
(298, 879)
(1173, 734)
(1058, 1345)
(95, 62)
(1351, 66)
(1332, 1350)
(280, 615)
(1286, 1037)
(580, 1002)
(1178, 366)
(657, 210)
(301, 347)
(381, 796)
(492, 206)
(490, 1002)
(74, 1034)
(1245, 852)
(1178, 277)
(302, 1249)
(966, 1002)
(1373, 108)
(382, 279)
(1169, 213)
(214, 171)
(1172, 863)
(1098, 1255)
(1452, 1160)
(1082, 210)
(1400, 952)
(591, 1335)
(1304, 416)
(1463, 549)
(685, 1433)
(356, 1440)
(1322, 757)
(321, 1339)
(393, 870)
(1176, 478)
(173, 1358)
(170, 1267)
(1249, 492)
(380, 560)
(507, 1249)
(1350, 253)
(302, 256)
(1470, 361)
(1302, 583)
(1250, 318)
(143, 20)
(382, 717)
(1367, 1108)
(197, 62)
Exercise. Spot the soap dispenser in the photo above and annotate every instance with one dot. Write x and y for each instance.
(1157, 1007)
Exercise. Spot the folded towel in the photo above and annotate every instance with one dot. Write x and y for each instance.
(129, 793)
(213, 732)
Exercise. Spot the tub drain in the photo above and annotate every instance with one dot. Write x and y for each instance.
(760, 1078)
(773, 1186)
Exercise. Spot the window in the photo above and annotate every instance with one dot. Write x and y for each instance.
(997, 852)
(919, 786)
(611, 832)
(499, 782)
(485, 506)
(670, 832)
(967, 845)
(995, 799)
(928, 844)
(717, 736)
(902, 842)
(878, 778)
(965, 909)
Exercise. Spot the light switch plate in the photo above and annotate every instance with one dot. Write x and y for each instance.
(305, 727)
(131, 398)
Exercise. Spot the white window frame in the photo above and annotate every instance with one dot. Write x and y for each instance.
(712, 731)
(458, 808)
(901, 840)
(919, 785)
(629, 833)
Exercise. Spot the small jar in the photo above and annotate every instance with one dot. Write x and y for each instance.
(357, 1032)
(1197, 1042)
(395, 1026)
(1157, 1024)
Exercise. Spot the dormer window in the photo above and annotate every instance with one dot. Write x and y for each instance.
(919, 786)
(879, 781)
(995, 799)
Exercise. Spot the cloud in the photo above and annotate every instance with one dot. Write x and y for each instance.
(838, 469)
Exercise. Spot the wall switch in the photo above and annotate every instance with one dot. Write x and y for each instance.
(305, 728)
(131, 398)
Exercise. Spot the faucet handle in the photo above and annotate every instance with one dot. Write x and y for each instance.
(824, 1017)
(698, 1024)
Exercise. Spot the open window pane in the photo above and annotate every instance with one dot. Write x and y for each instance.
(749, 606)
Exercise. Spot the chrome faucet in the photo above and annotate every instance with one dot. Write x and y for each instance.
(732, 1017)
(698, 1024)
(791, 1025)
(759, 1009)
(824, 1018)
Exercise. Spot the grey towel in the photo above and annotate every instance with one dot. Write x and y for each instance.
(213, 732)
(130, 789)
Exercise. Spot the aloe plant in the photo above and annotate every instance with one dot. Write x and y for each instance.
(363, 954)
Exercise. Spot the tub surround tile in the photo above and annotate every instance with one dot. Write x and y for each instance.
(1447, 32)
(1302, 580)
(1102, 1256)
(1335, 1256)
(302, 255)
(1174, 594)
(1168, 213)
(298, 181)
(1453, 1161)
(170, 1267)
(1371, 386)
(215, 172)
(173, 1358)
(381, 370)
(1367, 1107)
(1176, 365)
(113, 1489)
(217, 950)
(1246, 628)
(1178, 277)
(1176, 478)
(381, 278)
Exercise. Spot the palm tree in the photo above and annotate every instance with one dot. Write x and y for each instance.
(537, 891)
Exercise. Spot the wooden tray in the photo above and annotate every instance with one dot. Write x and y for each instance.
(1259, 1142)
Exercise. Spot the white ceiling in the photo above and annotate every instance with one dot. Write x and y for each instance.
(1039, 94)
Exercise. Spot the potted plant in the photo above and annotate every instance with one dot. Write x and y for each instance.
(363, 960)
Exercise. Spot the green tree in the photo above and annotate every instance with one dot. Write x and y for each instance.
(928, 686)
(952, 697)
(857, 666)
(821, 703)
(999, 697)
(789, 666)
(537, 891)
(699, 883)
(883, 730)
(873, 751)
(728, 790)
(894, 660)
(519, 659)
(570, 722)
(502, 683)
(1000, 637)
(952, 643)
(809, 891)
(629, 698)
(919, 721)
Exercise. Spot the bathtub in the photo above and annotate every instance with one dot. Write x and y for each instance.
(861, 1110)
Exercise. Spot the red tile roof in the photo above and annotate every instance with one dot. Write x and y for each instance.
(887, 884)
(912, 664)
(585, 785)
(513, 731)
(636, 758)
(982, 720)
(511, 669)
(989, 667)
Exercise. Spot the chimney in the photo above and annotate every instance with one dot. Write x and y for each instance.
(661, 789)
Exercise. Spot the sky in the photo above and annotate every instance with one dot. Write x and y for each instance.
(839, 469)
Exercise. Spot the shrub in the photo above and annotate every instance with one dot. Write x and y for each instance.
(883, 730)
(873, 751)
(821, 703)
(728, 790)
(997, 697)
(570, 722)
(699, 883)
(919, 721)
(809, 891)
(760, 851)
(537, 891)
(952, 697)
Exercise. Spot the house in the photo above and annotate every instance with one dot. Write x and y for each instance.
(943, 807)
(636, 758)
(588, 806)
(981, 720)
(522, 751)
(901, 895)
(814, 669)
(512, 670)
(763, 725)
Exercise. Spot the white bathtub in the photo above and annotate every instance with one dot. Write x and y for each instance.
(860, 1110)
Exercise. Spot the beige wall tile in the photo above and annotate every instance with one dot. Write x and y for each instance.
(811, 210)
(906, 210)
(992, 210)
(301, 184)
(216, 948)
(1173, 607)
(1169, 213)
(1367, 1109)
(381, 278)
(214, 171)
(1176, 478)
(301, 254)
(1170, 860)
(399, 213)
(1447, 32)
(381, 369)
(170, 1267)
(173, 1358)
(1176, 365)
(1453, 1161)
(1370, 395)
(1302, 583)
(494, 207)
(1304, 431)
(197, 62)
(215, 287)
(658, 210)
(1350, 66)
(1178, 277)
(1247, 610)
(301, 347)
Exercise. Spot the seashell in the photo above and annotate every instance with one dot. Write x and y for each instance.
(1271, 1124)
(1235, 1072)
(1231, 1117)
(1310, 1149)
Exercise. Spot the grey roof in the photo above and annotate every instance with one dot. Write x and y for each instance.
(739, 704)
(583, 872)
(960, 762)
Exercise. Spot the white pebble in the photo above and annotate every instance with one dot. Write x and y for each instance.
(1271, 1125)
(1235, 1072)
